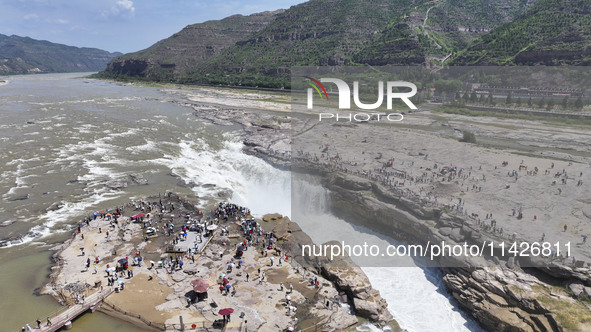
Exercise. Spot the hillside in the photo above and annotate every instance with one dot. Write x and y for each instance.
(319, 33)
(175, 56)
(22, 55)
(354, 32)
(435, 30)
(552, 32)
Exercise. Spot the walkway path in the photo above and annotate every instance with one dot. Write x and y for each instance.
(91, 303)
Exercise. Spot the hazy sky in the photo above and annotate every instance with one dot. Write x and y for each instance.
(118, 25)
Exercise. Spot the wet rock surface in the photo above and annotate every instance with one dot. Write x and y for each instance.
(138, 178)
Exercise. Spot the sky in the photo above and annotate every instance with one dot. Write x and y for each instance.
(118, 25)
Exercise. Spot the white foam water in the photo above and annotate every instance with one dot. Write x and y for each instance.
(265, 189)
(62, 215)
(252, 182)
(411, 292)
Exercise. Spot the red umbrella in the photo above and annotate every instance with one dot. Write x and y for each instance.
(226, 311)
(199, 285)
(139, 215)
(380, 153)
(225, 281)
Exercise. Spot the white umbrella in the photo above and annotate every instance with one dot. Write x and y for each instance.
(212, 227)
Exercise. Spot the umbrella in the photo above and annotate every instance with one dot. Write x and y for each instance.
(288, 297)
(139, 215)
(242, 248)
(225, 281)
(122, 261)
(199, 285)
(212, 227)
(226, 311)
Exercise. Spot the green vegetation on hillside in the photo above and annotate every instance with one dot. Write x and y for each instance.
(260, 49)
(552, 32)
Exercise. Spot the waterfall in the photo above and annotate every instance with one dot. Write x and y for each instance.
(411, 292)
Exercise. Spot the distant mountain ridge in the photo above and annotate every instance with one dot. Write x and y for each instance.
(23, 55)
(366, 32)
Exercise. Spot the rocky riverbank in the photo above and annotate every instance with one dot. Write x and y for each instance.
(287, 292)
(502, 297)
(412, 195)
